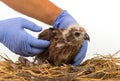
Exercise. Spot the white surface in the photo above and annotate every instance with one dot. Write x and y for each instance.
(101, 18)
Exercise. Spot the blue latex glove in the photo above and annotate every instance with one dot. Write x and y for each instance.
(13, 36)
(65, 20)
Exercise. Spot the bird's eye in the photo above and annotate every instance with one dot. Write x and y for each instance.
(77, 34)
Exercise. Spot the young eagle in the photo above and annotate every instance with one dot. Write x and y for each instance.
(65, 44)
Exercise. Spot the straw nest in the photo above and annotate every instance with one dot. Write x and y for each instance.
(98, 68)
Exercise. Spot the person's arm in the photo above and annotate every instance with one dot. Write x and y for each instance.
(42, 10)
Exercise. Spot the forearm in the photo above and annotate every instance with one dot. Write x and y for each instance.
(42, 10)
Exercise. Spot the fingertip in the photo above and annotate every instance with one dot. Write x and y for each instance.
(31, 25)
(76, 63)
(37, 28)
(81, 54)
(36, 51)
(41, 43)
(38, 43)
(78, 60)
(44, 43)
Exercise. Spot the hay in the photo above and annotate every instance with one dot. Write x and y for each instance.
(98, 68)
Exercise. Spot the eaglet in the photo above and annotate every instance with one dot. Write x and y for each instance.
(65, 44)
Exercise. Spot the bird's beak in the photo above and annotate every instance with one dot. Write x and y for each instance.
(87, 37)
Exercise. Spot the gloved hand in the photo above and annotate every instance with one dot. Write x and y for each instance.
(65, 20)
(13, 36)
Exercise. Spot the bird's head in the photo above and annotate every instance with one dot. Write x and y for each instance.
(75, 34)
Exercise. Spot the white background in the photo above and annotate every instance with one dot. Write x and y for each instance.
(101, 19)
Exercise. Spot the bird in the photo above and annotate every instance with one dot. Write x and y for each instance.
(64, 44)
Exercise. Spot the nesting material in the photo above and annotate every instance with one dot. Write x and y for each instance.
(99, 68)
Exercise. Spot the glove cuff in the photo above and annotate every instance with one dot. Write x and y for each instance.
(59, 18)
(64, 20)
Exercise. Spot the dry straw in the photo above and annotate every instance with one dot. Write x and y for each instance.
(95, 69)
